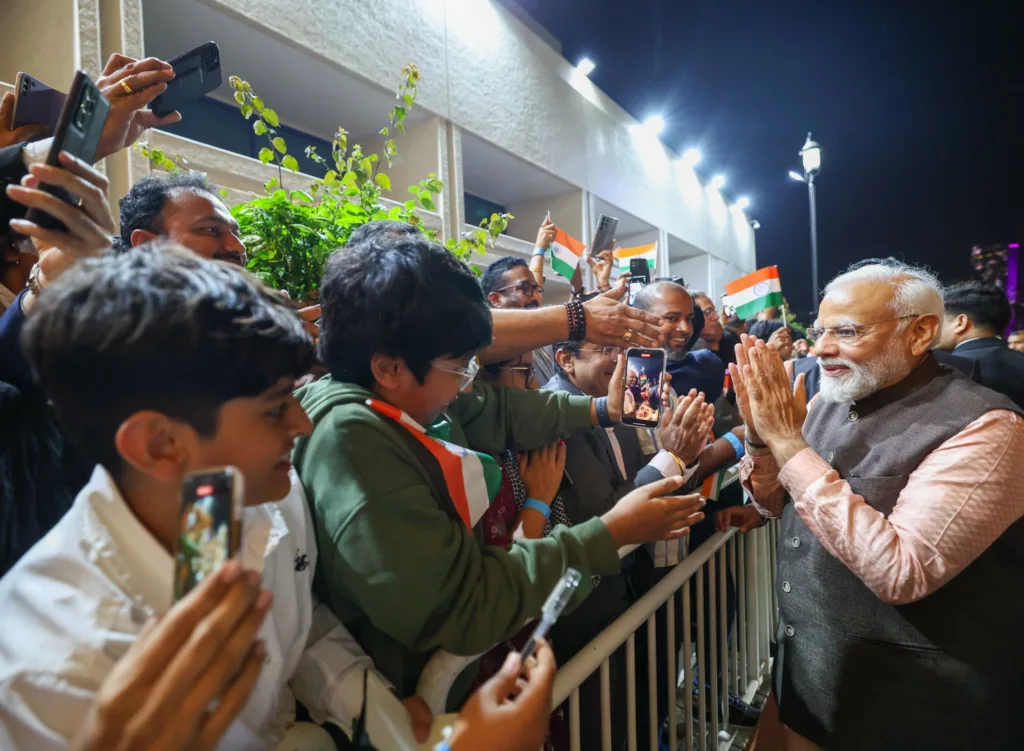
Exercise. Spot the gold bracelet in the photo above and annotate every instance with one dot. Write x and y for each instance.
(682, 467)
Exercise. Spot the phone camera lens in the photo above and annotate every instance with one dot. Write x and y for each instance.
(210, 59)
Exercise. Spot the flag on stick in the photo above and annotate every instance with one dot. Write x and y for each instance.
(751, 294)
(566, 252)
(648, 252)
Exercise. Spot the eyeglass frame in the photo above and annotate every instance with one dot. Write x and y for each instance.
(815, 334)
(468, 373)
(537, 288)
(608, 351)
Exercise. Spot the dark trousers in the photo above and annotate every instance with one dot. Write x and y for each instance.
(572, 633)
(654, 576)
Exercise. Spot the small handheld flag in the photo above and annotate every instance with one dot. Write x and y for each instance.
(566, 252)
(751, 294)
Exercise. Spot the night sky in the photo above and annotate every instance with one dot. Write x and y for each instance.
(919, 108)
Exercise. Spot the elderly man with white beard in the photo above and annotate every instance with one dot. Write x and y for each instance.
(901, 556)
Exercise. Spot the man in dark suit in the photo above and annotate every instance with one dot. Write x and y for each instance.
(976, 315)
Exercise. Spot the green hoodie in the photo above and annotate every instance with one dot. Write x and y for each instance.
(396, 563)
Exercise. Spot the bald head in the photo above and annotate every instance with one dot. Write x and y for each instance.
(673, 303)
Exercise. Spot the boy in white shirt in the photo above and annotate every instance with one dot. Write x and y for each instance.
(160, 363)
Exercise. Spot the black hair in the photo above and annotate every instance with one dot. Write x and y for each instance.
(491, 281)
(764, 329)
(403, 296)
(985, 304)
(383, 229)
(141, 206)
(166, 331)
(573, 348)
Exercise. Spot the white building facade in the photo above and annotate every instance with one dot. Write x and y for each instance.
(501, 116)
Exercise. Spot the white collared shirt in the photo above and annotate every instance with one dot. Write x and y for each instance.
(75, 603)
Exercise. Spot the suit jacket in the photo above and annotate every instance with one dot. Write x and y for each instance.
(1002, 369)
(809, 365)
(593, 482)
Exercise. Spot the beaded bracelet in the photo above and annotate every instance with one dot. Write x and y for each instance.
(577, 320)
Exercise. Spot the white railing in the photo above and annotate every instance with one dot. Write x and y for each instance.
(751, 559)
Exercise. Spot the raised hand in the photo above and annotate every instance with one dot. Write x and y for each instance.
(649, 514)
(89, 226)
(131, 85)
(602, 265)
(744, 517)
(541, 471)
(610, 322)
(10, 135)
(777, 408)
(684, 431)
(546, 234)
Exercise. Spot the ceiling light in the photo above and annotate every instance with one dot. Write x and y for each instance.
(742, 202)
(691, 157)
(796, 176)
(585, 66)
(718, 182)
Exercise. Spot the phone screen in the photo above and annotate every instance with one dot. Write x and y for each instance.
(641, 404)
(209, 528)
(635, 285)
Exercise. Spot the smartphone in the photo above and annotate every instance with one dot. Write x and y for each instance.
(196, 73)
(604, 235)
(209, 525)
(639, 277)
(35, 103)
(78, 132)
(553, 608)
(645, 371)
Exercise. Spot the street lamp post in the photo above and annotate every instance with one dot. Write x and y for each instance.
(810, 155)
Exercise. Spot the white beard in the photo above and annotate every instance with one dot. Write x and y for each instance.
(863, 379)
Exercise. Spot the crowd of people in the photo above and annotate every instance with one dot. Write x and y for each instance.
(424, 462)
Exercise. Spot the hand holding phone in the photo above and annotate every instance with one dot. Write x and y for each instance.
(209, 526)
(642, 400)
(552, 609)
(604, 235)
(196, 73)
(36, 105)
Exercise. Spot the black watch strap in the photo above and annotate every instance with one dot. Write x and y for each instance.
(603, 419)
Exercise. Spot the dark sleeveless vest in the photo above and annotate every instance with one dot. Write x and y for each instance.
(852, 672)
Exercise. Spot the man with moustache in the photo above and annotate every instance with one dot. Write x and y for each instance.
(509, 283)
(899, 573)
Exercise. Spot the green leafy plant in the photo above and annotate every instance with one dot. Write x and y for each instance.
(290, 232)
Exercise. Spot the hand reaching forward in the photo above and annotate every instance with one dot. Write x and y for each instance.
(684, 431)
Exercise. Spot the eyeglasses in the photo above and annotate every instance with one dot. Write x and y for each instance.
(524, 370)
(607, 352)
(528, 289)
(850, 333)
(709, 312)
(468, 373)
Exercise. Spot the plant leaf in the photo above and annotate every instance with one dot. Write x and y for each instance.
(303, 195)
(271, 117)
(426, 203)
(384, 181)
(289, 162)
(270, 184)
(280, 145)
(259, 128)
(246, 111)
(240, 97)
(266, 155)
(257, 103)
(348, 180)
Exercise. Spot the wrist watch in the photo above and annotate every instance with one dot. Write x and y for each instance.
(34, 285)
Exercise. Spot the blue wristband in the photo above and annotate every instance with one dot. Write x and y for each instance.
(538, 251)
(538, 506)
(443, 746)
(737, 445)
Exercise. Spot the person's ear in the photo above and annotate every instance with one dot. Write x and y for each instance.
(140, 236)
(493, 298)
(923, 333)
(390, 372)
(157, 446)
(566, 361)
(961, 324)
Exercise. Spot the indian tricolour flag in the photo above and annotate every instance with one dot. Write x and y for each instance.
(752, 293)
(647, 252)
(566, 252)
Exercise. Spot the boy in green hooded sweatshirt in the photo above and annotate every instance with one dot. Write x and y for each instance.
(394, 488)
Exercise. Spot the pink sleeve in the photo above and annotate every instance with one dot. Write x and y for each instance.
(759, 475)
(957, 502)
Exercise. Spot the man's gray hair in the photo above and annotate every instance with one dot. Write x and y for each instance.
(917, 291)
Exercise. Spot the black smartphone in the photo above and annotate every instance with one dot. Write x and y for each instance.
(78, 132)
(35, 103)
(645, 371)
(552, 609)
(196, 73)
(209, 525)
(639, 277)
(604, 235)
